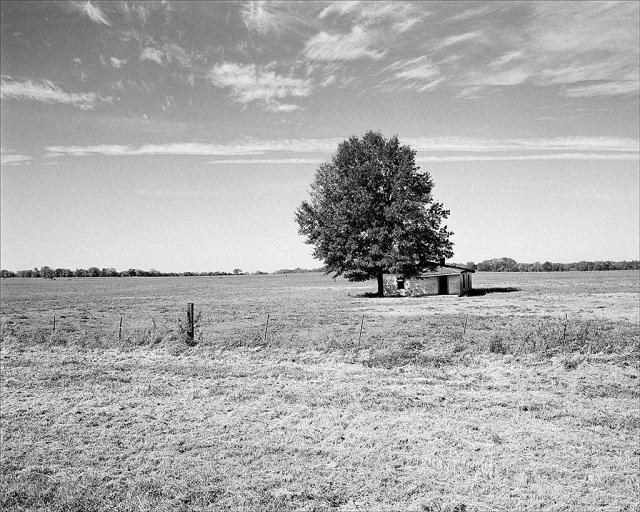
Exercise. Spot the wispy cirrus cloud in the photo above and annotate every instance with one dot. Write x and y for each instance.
(433, 148)
(415, 69)
(508, 57)
(584, 27)
(338, 8)
(357, 44)
(573, 144)
(117, 63)
(9, 158)
(242, 148)
(419, 74)
(267, 161)
(249, 83)
(566, 44)
(457, 39)
(91, 11)
(470, 13)
(178, 148)
(45, 91)
(258, 17)
(445, 158)
(373, 27)
(166, 54)
(622, 87)
(399, 16)
(405, 25)
(514, 76)
(537, 156)
(153, 54)
(277, 18)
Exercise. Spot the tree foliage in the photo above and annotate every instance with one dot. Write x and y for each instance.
(372, 212)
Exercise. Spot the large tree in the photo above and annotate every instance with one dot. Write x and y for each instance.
(372, 212)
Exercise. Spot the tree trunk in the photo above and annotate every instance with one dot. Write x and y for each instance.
(380, 285)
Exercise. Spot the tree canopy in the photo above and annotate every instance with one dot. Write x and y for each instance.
(371, 212)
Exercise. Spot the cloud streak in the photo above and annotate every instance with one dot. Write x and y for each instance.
(338, 8)
(117, 63)
(522, 144)
(267, 161)
(248, 83)
(357, 44)
(629, 87)
(419, 74)
(257, 17)
(199, 149)
(538, 156)
(91, 11)
(47, 92)
(8, 158)
(508, 149)
(153, 55)
(457, 39)
(568, 44)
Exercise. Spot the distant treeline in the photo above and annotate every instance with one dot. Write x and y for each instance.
(50, 273)
(298, 270)
(510, 265)
(494, 265)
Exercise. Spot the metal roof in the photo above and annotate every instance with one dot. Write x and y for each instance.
(462, 269)
(439, 274)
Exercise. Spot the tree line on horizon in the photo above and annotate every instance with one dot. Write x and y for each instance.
(492, 265)
(50, 273)
(510, 265)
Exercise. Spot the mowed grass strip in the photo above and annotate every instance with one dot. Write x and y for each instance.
(145, 429)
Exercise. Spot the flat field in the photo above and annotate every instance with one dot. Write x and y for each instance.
(522, 397)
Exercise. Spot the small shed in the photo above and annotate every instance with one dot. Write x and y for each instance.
(443, 280)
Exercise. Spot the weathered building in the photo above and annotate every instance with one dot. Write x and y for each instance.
(443, 280)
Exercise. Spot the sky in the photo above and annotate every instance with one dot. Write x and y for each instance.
(182, 136)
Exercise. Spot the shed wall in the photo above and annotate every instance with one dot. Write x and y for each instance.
(428, 285)
(454, 285)
(422, 286)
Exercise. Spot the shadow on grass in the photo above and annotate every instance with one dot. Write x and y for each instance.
(477, 292)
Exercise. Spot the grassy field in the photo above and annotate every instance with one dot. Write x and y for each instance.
(523, 397)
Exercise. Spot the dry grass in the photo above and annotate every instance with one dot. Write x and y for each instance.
(143, 430)
(421, 415)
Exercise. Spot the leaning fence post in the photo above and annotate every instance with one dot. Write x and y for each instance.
(360, 335)
(465, 324)
(266, 329)
(120, 329)
(190, 328)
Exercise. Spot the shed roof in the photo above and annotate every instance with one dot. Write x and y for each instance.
(455, 267)
(427, 275)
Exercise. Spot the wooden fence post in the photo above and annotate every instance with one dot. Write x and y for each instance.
(54, 324)
(360, 335)
(190, 328)
(266, 329)
(120, 329)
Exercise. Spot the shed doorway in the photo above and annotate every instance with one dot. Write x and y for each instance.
(443, 285)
